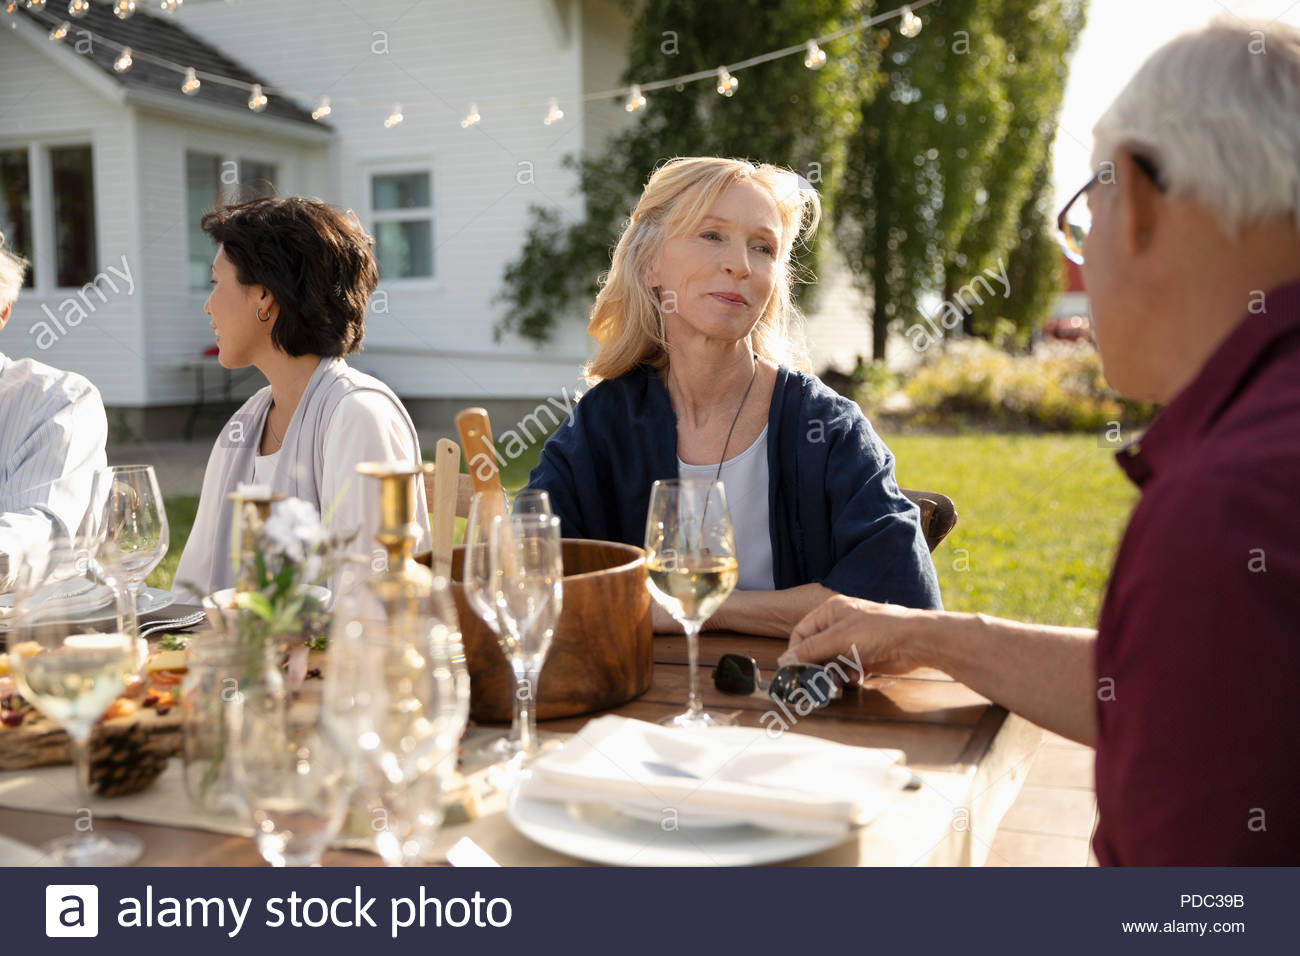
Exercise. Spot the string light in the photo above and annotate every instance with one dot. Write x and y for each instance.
(394, 117)
(816, 56)
(635, 100)
(471, 118)
(59, 32)
(78, 8)
(170, 6)
(726, 82)
(909, 23)
(124, 60)
(191, 84)
(257, 99)
(11, 6)
(122, 9)
(553, 112)
(322, 110)
(35, 4)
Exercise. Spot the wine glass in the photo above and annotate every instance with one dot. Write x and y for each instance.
(133, 535)
(71, 670)
(290, 775)
(691, 563)
(397, 699)
(483, 507)
(525, 582)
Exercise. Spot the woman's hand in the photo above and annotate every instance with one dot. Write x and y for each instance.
(887, 636)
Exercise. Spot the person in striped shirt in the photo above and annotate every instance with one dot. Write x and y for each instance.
(52, 434)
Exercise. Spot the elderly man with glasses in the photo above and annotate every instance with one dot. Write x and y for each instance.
(52, 434)
(1192, 263)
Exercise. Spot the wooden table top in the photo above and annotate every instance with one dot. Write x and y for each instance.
(971, 756)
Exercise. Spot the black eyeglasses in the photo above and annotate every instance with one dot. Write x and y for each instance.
(738, 674)
(1074, 220)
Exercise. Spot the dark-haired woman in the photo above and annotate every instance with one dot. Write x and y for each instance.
(291, 282)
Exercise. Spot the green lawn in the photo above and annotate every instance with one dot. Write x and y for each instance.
(1039, 518)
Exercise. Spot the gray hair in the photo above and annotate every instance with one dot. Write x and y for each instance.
(12, 270)
(1218, 112)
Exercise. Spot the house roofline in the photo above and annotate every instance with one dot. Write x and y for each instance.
(72, 62)
(249, 121)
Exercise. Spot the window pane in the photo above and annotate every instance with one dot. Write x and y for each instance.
(256, 179)
(400, 191)
(202, 192)
(405, 249)
(16, 205)
(73, 182)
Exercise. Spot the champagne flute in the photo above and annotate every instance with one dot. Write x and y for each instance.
(71, 673)
(483, 507)
(691, 563)
(292, 778)
(526, 583)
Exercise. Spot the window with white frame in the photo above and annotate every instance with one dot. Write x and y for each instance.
(63, 212)
(210, 180)
(401, 217)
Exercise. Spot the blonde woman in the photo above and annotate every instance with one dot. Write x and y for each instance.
(697, 374)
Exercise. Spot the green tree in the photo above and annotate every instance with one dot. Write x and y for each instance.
(942, 164)
(782, 113)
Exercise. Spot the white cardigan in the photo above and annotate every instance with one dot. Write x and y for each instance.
(343, 418)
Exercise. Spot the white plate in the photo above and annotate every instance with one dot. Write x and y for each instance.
(150, 600)
(601, 834)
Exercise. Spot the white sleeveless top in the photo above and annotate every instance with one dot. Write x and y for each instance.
(745, 481)
(264, 468)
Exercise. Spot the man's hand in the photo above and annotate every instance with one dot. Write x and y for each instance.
(887, 635)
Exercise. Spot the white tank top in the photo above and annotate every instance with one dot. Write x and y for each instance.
(264, 468)
(745, 481)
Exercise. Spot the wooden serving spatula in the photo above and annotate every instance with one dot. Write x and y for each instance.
(480, 454)
(446, 477)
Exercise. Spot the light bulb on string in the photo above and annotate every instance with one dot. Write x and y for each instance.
(59, 32)
(35, 4)
(78, 8)
(815, 58)
(553, 112)
(726, 82)
(122, 9)
(909, 24)
(124, 60)
(170, 6)
(191, 84)
(10, 7)
(322, 110)
(394, 117)
(471, 118)
(635, 100)
(257, 99)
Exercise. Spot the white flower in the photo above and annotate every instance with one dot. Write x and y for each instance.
(294, 529)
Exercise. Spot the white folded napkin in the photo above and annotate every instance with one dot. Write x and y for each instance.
(740, 775)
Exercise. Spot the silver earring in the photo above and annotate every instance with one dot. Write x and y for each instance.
(264, 318)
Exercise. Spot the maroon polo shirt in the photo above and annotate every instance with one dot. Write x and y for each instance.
(1198, 649)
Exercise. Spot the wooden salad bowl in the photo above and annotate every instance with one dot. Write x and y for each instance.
(602, 653)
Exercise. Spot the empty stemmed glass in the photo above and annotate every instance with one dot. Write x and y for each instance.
(691, 563)
(478, 592)
(132, 535)
(71, 669)
(525, 586)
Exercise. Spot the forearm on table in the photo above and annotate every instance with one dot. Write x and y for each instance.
(767, 613)
(1045, 674)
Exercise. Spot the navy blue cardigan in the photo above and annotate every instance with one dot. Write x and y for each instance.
(835, 513)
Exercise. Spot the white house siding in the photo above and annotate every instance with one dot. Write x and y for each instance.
(175, 327)
(839, 327)
(509, 56)
(42, 102)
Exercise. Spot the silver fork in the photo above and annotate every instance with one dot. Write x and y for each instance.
(187, 620)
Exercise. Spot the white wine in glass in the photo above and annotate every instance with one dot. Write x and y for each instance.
(71, 673)
(692, 568)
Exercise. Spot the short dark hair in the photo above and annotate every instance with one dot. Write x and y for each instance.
(315, 259)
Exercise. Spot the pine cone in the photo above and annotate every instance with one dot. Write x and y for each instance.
(129, 754)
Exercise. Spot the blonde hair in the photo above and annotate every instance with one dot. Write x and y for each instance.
(13, 268)
(626, 321)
